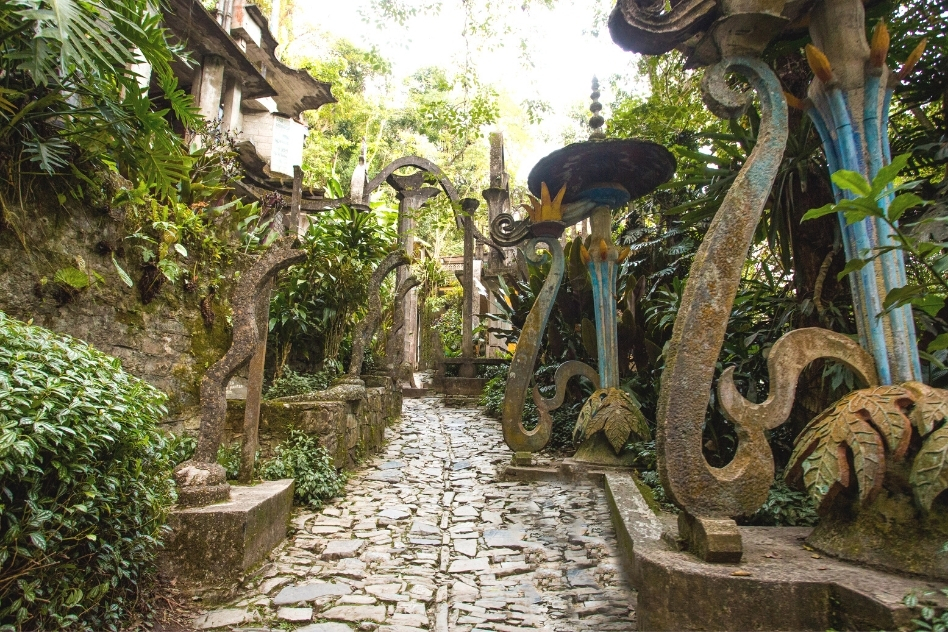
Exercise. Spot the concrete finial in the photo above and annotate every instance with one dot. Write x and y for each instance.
(596, 121)
(360, 180)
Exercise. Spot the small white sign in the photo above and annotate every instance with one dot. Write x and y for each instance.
(287, 150)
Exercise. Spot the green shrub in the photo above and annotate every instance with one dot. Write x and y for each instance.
(930, 617)
(785, 507)
(182, 448)
(228, 456)
(492, 397)
(302, 458)
(293, 383)
(84, 481)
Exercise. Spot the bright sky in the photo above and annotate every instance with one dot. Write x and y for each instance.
(565, 50)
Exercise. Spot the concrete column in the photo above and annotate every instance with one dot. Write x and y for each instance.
(412, 195)
(232, 97)
(498, 201)
(212, 86)
(468, 206)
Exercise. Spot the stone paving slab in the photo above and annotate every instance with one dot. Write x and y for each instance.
(428, 538)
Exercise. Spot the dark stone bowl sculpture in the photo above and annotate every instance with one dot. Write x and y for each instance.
(639, 166)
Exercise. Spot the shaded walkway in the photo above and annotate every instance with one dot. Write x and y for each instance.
(427, 538)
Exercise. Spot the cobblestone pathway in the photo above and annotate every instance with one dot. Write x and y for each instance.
(427, 538)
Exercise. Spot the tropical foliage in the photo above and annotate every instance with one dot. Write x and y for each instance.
(301, 458)
(318, 301)
(71, 100)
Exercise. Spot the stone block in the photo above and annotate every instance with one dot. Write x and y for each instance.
(309, 592)
(464, 386)
(345, 420)
(715, 540)
(213, 546)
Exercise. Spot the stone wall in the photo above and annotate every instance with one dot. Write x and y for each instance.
(348, 421)
(168, 342)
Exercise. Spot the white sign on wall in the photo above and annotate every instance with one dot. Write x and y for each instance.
(287, 150)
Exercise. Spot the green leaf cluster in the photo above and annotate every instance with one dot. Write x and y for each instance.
(84, 483)
(319, 300)
(930, 617)
(886, 200)
(293, 383)
(301, 457)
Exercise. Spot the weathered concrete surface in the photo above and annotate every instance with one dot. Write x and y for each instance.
(740, 487)
(464, 386)
(347, 427)
(211, 547)
(890, 533)
(448, 546)
(245, 340)
(781, 583)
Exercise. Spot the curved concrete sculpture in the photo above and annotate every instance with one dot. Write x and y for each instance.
(741, 486)
(521, 366)
(788, 357)
(200, 479)
(367, 326)
(395, 347)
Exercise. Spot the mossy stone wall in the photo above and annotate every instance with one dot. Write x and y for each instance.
(168, 343)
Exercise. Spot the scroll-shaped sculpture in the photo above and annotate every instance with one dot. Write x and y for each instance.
(517, 437)
(246, 337)
(741, 486)
(200, 479)
(563, 374)
(788, 357)
(643, 26)
(367, 326)
(506, 231)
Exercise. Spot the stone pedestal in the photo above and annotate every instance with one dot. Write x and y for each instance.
(597, 450)
(211, 547)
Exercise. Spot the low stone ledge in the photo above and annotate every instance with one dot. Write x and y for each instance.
(212, 547)
(348, 421)
(779, 585)
(466, 386)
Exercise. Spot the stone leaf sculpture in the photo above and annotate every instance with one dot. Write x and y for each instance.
(201, 480)
(877, 426)
(875, 464)
(365, 330)
(612, 412)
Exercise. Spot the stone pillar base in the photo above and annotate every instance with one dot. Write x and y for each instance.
(211, 547)
(715, 540)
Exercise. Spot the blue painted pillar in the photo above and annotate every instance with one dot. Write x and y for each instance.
(602, 267)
